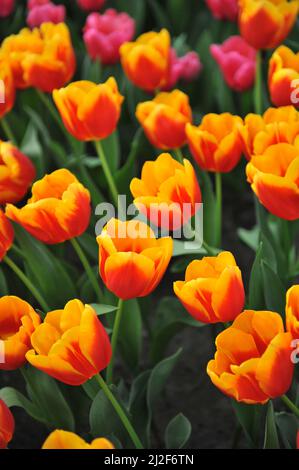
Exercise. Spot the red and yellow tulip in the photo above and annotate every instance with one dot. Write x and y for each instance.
(68, 440)
(292, 311)
(283, 70)
(7, 425)
(6, 235)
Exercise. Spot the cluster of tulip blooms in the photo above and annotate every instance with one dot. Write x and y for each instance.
(254, 358)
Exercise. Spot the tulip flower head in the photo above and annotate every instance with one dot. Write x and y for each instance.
(265, 24)
(283, 77)
(68, 440)
(277, 125)
(58, 210)
(7, 87)
(132, 261)
(167, 192)
(185, 68)
(6, 8)
(274, 179)
(90, 5)
(105, 33)
(89, 111)
(43, 58)
(224, 9)
(71, 345)
(16, 175)
(7, 425)
(237, 61)
(18, 321)
(216, 144)
(253, 359)
(146, 61)
(6, 235)
(213, 289)
(164, 119)
(47, 12)
(292, 311)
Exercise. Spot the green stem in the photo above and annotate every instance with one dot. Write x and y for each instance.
(7, 130)
(119, 410)
(88, 268)
(107, 171)
(258, 90)
(209, 249)
(114, 340)
(290, 405)
(218, 183)
(179, 155)
(27, 283)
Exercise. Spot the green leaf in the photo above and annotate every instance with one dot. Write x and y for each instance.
(13, 397)
(48, 398)
(250, 237)
(209, 209)
(91, 70)
(256, 287)
(274, 290)
(111, 149)
(127, 171)
(271, 440)
(3, 284)
(181, 248)
(102, 309)
(160, 15)
(178, 432)
(130, 335)
(250, 418)
(138, 403)
(288, 427)
(31, 147)
(179, 14)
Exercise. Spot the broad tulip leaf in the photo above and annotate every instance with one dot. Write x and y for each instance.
(274, 290)
(13, 397)
(271, 440)
(288, 427)
(102, 309)
(178, 432)
(251, 419)
(130, 336)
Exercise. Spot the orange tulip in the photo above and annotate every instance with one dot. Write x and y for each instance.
(265, 24)
(132, 261)
(71, 345)
(43, 58)
(7, 425)
(18, 321)
(292, 311)
(164, 119)
(58, 210)
(213, 289)
(6, 235)
(283, 69)
(165, 189)
(277, 125)
(253, 359)
(68, 440)
(89, 111)
(274, 179)
(146, 61)
(216, 144)
(16, 173)
(7, 88)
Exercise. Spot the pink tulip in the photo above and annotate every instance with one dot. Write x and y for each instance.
(36, 3)
(90, 5)
(49, 12)
(104, 34)
(224, 9)
(6, 7)
(237, 61)
(185, 68)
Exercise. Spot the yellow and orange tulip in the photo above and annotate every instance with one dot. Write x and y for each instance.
(164, 119)
(68, 440)
(216, 144)
(274, 179)
(146, 61)
(7, 88)
(43, 58)
(89, 111)
(7, 425)
(283, 70)
(6, 235)
(71, 345)
(213, 289)
(277, 125)
(265, 24)
(58, 210)
(164, 188)
(16, 173)
(292, 311)
(253, 359)
(132, 261)
(18, 320)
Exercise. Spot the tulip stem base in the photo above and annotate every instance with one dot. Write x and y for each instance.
(119, 410)
(114, 340)
(27, 283)
(290, 405)
(7, 131)
(258, 87)
(107, 171)
(218, 186)
(88, 268)
(179, 155)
